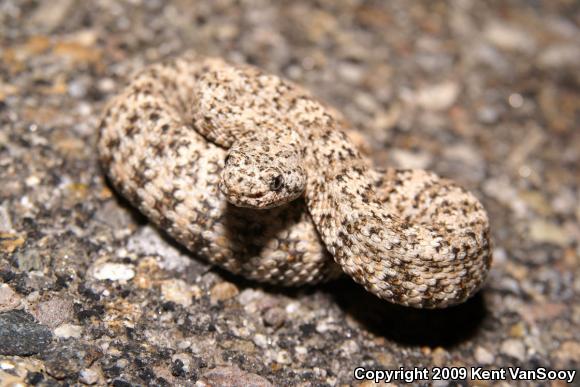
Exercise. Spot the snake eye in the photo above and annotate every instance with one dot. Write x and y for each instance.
(276, 183)
(227, 159)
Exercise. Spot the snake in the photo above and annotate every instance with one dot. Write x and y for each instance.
(254, 174)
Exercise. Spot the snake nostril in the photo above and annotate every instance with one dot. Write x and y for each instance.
(276, 183)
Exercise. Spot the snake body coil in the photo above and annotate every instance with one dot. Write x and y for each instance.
(188, 138)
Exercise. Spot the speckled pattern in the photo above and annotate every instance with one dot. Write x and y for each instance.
(482, 92)
(419, 241)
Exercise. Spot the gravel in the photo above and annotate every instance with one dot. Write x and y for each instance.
(486, 93)
(20, 335)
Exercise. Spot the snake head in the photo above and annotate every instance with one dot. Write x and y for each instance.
(257, 178)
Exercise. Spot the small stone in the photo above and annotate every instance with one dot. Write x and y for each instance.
(260, 340)
(21, 371)
(20, 335)
(560, 55)
(232, 376)
(350, 72)
(181, 363)
(121, 383)
(568, 352)
(88, 376)
(77, 89)
(47, 17)
(518, 330)
(438, 97)
(9, 299)
(537, 201)
(66, 331)
(283, 357)
(30, 259)
(106, 85)
(147, 241)
(113, 272)
(509, 37)
(385, 359)
(407, 159)
(66, 359)
(177, 291)
(115, 216)
(122, 363)
(488, 115)
(543, 311)
(275, 317)
(10, 242)
(514, 348)
(483, 356)
(439, 356)
(54, 312)
(223, 291)
(547, 232)
(32, 181)
(5, 220)
(178, 368)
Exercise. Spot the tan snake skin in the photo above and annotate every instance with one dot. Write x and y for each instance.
(407, 236)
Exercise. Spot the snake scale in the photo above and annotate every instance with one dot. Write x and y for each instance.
(254, 174)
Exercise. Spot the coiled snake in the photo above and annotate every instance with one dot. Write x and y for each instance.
(254, 174)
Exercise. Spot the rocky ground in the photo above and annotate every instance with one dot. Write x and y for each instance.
(484, 92)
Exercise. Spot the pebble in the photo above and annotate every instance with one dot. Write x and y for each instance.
(569, 351)
(350, 347)
(113, 271)
(147, 241)
(66, 359)
(20, 335)
(385, 359)
(5, 220)
(31, 259)
(9, 242)
(517, 330)
(407, 159)
(177, 291)
(181, 363)
(439, 356)
(350, 73)
(113, 215)
(560, 55)
(88, 376)
(514, 348)
(547, 232)
(438, 97)
(9, 299)
(49, 16)
(483, 356)
(509, 37)
(67, 331)
(488, 115)
(232, 376)
(21, 371)
(283, 357)
(464, 162)
(260, 340)
(274, 317)
(502, 189)
(106, 85)
(54, 312)
(536, 201)
(223, 291)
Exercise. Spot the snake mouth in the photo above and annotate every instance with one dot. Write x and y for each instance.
(257, 200)
(256, 195)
